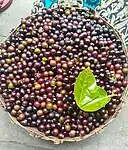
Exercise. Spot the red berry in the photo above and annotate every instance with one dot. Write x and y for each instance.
(36, 104)
(108, 64)
(40, 81)
(43, 104)
(116, 91)
(109, 42)
(111, 67)
(55, 132)
(112, 46)
(117, 66)
(125, 83)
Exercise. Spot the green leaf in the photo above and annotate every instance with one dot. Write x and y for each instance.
(89, 97)
(96, 104)
(84, 80)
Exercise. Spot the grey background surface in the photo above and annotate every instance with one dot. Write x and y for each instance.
(12, 137)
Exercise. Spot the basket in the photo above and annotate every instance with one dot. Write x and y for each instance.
(37, 134)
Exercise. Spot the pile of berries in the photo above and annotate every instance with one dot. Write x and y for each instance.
(39, 64)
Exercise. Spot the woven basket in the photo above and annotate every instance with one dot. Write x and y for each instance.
(37, 134)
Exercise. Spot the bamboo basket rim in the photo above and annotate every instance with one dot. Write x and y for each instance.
(37, 134)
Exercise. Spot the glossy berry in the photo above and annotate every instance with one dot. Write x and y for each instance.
(49, 106)
(39, 64)
(36, 104)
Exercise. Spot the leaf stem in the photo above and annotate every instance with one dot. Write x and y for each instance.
(112, 95)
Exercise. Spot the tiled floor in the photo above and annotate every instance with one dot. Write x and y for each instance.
(12, 137)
